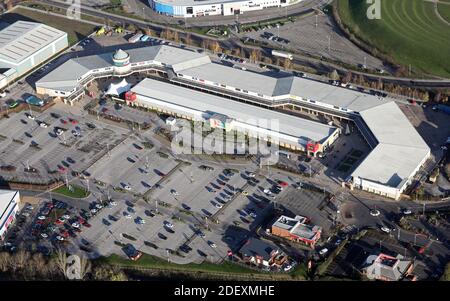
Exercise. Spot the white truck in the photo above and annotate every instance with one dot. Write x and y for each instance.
(135, 38)
(282, 54)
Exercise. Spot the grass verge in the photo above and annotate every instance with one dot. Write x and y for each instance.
(76, 193)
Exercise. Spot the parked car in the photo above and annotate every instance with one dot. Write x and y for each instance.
(323, 251)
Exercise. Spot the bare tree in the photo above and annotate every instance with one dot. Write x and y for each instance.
(214, 46)
(347, 78)
(21, 258)
(255, 55)
(131, 27)
(188, 39)
(287, 63)
(205, 44)
(334, 75)
(148, 31)
(5, 261)
(267, 60)
(61, 261)
(176, 37)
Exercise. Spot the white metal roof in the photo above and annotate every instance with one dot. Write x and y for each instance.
(21, 39)
(246, 80)
(400, 150)
(64, 77)
(185, 99)
(334, 95)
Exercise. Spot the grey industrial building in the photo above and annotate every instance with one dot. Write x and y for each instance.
(24, 45)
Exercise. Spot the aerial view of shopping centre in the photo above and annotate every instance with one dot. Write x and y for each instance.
(225, 140)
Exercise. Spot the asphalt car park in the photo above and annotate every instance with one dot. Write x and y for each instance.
(52, 152)
(135, 168)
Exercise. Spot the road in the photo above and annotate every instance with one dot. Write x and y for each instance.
(317, 64)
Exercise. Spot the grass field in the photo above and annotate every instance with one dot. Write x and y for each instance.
(444, 9)
(75, 30)
(409, 31)
(149, 261)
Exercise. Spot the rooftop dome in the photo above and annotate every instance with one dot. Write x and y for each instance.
(120, 55)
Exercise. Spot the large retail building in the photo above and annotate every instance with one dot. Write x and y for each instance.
(194, 87)
(198, 8)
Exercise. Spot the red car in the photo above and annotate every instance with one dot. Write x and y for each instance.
(63, 121)
(40, 222)
(283, 184)
(61, 168)
(73, 121)
(87, 225)
(81, 220)
(65, 234)
(49, 205)
(58, 222)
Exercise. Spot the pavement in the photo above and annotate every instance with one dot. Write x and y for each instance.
(319, 39)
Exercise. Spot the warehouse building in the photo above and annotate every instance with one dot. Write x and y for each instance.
(24, 45)
(397, 150)
(9, 206)
(198, 8)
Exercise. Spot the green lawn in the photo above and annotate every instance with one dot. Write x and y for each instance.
(444, 10)
(227, 267)
(156, 262)
(78, 192)
(408, 31)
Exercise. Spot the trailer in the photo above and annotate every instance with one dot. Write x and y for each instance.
(145, 38)
(135, 38)
(282, 54)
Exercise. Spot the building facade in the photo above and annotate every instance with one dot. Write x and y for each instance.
(296, 229)
(9, 206)
(262, 253)
(388, 268)
(198, 8)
